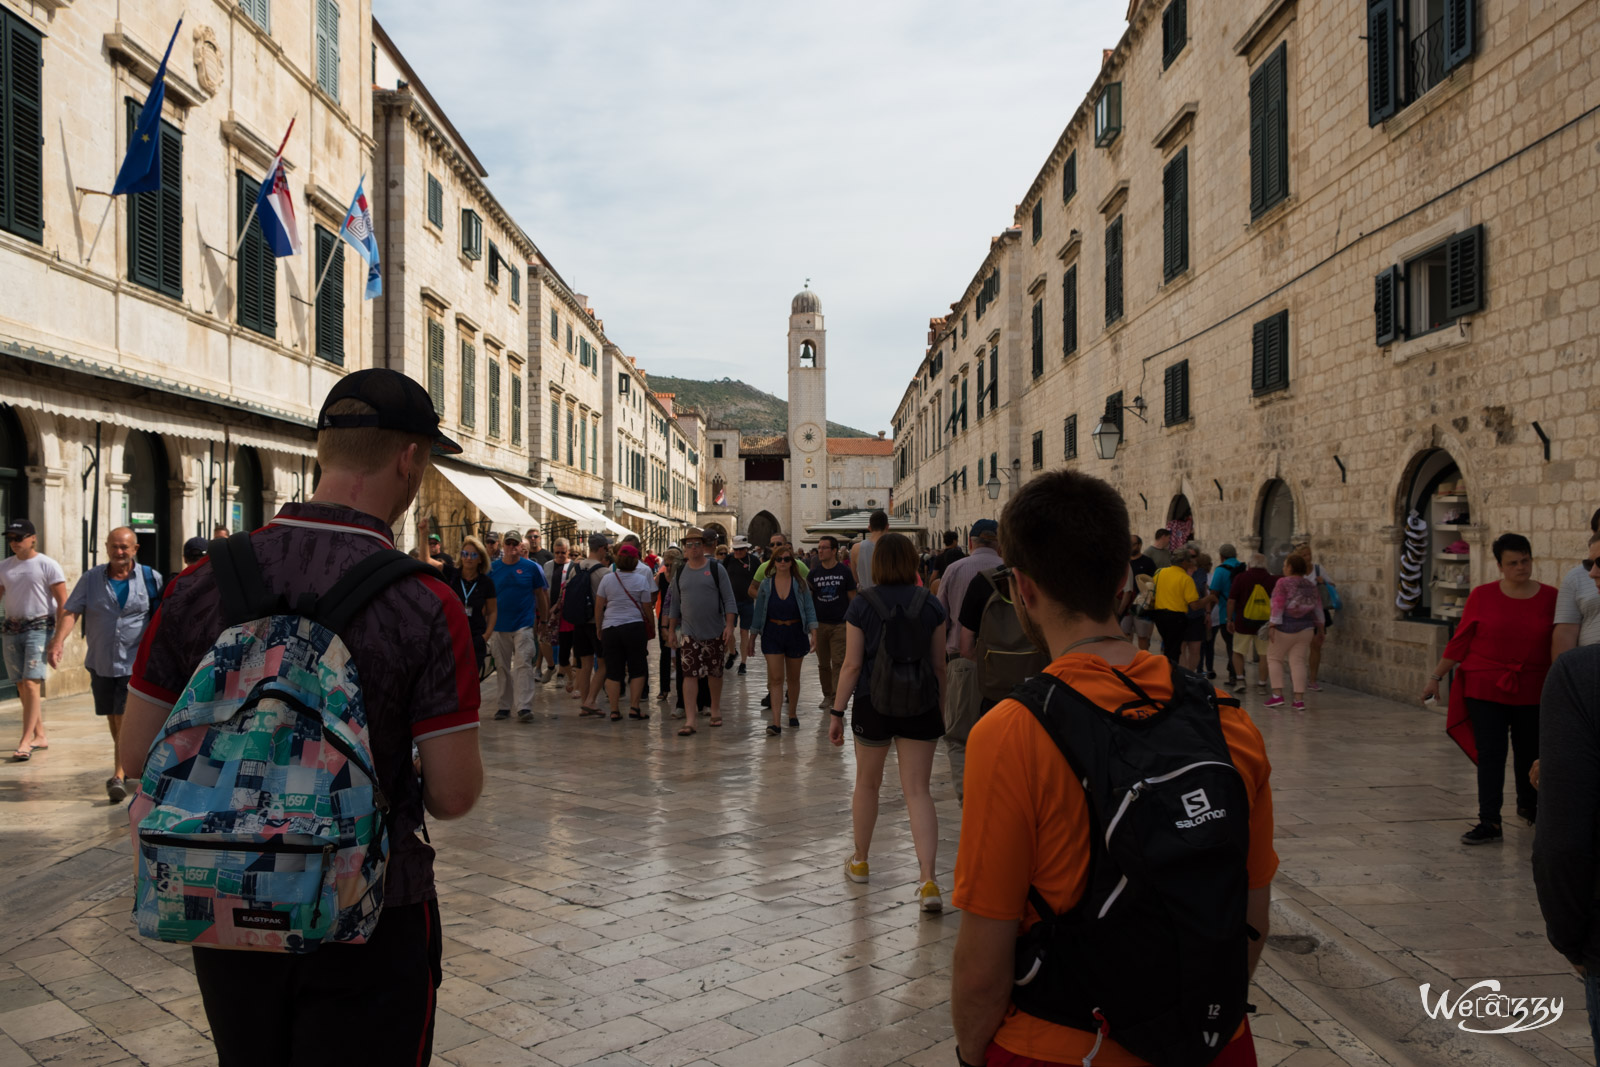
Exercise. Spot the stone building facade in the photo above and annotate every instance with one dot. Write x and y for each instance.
(150, 377)
(1328, 265)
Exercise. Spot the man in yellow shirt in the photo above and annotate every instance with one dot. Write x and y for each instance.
(1176, 596)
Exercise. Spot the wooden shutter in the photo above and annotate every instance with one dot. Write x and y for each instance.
(1177, 393)
(494, 263)
(1038, 338)
(330, 298)
(1175, 216)
(1386, 309)
(248, 285)
(435, 202)
(328, 47)
(981, 390)
(1258, 141)
(144, 226)
(1069, 180)
(469, 383)
(516, 407)
(1038, 449)
(1276, 176)
(436, 365)
(1458, 32)
(1038, 220)
(1069, 431)
(516, 285)
(1114, 408)
(1174, 32)
(1069, 311)
(494, 397)
(1114, 271)
(21, 129)
(1463, 259)
(1269, 354)
(1383, 61)
(171, 194)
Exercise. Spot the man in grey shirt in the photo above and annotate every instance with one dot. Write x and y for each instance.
(700, 621)
(1160, 550)
(861, 555)
(115, 601)
(1578, 603)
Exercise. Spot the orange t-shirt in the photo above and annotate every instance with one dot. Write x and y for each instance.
(1025, 822)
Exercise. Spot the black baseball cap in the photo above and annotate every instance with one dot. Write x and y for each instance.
(20, 528)
(195, 548)
(401, 403)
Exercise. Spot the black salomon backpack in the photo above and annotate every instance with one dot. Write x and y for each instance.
(1154, 955)
(577, 595)
(903, 684)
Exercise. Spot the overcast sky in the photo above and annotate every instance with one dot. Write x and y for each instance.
(689, 165)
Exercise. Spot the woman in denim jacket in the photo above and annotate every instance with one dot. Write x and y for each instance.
(786, 619)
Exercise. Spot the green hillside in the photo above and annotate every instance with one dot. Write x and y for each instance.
(732, 403)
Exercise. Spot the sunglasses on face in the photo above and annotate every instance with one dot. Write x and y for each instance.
(686, 544)
(1586, 564)
(469, 555)
(16, 537)
(784, 559)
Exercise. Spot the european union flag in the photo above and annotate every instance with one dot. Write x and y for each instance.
(141, 167)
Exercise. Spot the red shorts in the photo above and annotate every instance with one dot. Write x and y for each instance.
(1241, 1052)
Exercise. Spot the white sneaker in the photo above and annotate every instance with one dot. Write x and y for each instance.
(929, 898)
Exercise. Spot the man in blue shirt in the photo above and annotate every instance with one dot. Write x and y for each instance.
(523, 597)
(115, 601)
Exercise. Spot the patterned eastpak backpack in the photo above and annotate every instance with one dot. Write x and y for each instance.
(259, 822)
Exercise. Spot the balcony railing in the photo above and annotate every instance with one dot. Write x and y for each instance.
(1425, 60)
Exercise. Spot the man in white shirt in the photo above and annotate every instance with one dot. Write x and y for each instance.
(33, 589)
(1578, 603)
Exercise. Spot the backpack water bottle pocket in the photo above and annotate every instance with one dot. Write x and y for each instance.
(237, 890)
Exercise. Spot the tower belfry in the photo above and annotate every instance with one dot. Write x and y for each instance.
(808, 413)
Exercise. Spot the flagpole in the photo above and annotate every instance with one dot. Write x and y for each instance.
(329, 265)
(104, 215)
(244, 231)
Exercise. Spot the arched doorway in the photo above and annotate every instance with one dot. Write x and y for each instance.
(761, 529)
(146, 498)
(13, 494)
(246, 511)
(1180, 520)
(720, 532)
(1275, 527)
(1434, 573)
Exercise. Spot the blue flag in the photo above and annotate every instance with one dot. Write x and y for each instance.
(141, 167)
(357, 229)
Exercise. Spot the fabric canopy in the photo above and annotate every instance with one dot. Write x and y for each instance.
(856, 523)
(486, 494)
(585, 516)
(648, 517)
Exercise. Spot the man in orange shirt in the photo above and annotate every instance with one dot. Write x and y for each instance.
(1026, 823)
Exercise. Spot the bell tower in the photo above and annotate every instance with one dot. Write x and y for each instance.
(808, 414)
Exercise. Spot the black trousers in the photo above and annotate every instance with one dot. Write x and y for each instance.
(340, 1005)
(667, 655)
(1491, 722)
(1170, 625)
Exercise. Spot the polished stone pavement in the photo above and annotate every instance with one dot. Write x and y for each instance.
(623, 896)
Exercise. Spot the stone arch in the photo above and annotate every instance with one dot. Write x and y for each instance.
(761, 528)
(15, 456)
(1275, 521)
(720, 532)
(147, 464)
(808, 353)
(1438, 458)
(249, 481)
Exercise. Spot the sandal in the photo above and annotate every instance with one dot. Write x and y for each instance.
(635, 713)
(586, 712)
(716, 722)
(616, 716)
(775, 731)
(23, 754)
(687, 731)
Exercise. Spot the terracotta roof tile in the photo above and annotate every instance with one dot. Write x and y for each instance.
(860, 446)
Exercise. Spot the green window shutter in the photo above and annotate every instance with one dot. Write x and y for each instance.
(494, 398)
(1269, 132)
(1174, 32)
(571, 439)
(583, 444)
(516, 286)
(1038, 338)
(257, 282)
(435, 202)
(1177, 393)
(1175, 216)
(144, 226)
(1069, 431)
(469, 384)
(1458, 32)
(1114, 271)
(260, 11)
(555, 429)
(1383, 62)
(21, 129)
(1463, 259)
(328, 47)
(555, 325)
(981, 389)
(1387, 311)
(171, 194)
(1258, 138)
(594, 448)
(994, 377)
(494, 263)
(516, 408)
(471, 234)
(1038, 220)
(1269, 354)
(1038, 449)
(1069, 311)
(330, 298)
(1069, 178)
(436, 366)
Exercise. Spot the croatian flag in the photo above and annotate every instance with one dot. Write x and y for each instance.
(721, 499)
(275, 211)
(357, 229)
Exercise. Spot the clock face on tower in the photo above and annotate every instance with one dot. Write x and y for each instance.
(807, 437)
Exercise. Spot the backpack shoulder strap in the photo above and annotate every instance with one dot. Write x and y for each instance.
(716, 569)
(243, 591)
(152, 592)
(871, 595)
(335, 608)
(919, 600)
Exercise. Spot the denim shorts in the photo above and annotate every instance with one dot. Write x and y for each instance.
(747, 613)
(24, 655)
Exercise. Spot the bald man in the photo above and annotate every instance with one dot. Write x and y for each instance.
(115, 601)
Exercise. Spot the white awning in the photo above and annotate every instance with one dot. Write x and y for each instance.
(485, 494)
(73, 405)
(648, 517)
(585, 516)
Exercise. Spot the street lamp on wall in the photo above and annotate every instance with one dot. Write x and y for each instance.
(549, 484)
(993, 484)
(1108, 435)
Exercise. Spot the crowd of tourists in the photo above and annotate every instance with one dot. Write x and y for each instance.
(1043, 620)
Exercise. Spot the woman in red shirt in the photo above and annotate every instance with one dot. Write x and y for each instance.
(1500, 653)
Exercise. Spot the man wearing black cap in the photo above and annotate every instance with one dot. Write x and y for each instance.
(33, 589)
(412, 649)
(194, 550)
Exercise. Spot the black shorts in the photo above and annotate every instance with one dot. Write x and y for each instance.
(876, 730)
(1195, 628)
(790, 642)
(583, 640)
(626, 651)
(1172, 626)
(382, 994)
(110, 694)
